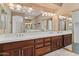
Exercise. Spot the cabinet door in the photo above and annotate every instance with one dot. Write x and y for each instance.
(27, 51)
(13, 52)
(56, 42)
(67, 40)
(39, 41)
(42, 51)
(59, 42)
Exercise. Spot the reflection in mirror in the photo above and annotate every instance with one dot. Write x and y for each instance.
(47, 24)
(62, 24)
(5, 20)
(28, 23)
(23, 20)
(69, 24)
(3, 23)
(17, 24)
(65, 23)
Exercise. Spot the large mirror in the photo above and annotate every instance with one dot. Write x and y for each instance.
(23, 20)
(24, 23)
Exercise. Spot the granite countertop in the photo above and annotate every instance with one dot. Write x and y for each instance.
(29, 36)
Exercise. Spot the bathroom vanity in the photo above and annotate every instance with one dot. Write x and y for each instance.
(34, 44)
(34, 33)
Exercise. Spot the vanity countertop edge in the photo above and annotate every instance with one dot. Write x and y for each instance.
(32, 36)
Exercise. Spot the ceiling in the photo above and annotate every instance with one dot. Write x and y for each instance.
(59, 8)
(64, 9)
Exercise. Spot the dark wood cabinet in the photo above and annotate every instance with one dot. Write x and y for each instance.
(35, 47)
(39, 43)
(21, 48)
(12, 52)
(57, 42)
(27, 51)
(47, 41)
(43, 46)
(24, 51)
(67, 39)
(42, 50)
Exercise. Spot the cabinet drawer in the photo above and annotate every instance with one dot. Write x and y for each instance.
(47, 43)
(47, 39)
(67, 39)
(42, 51)
(38, 45)
(38, 41)
(58, 37)
(68, 36)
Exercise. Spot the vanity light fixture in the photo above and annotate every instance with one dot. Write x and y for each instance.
(26, 17)
(11, 6)
(53, 14)
(70, 19)
(44, 14)
(24, 9)
(30, 9)
(48, 14)
(18, 7)
(62, 17)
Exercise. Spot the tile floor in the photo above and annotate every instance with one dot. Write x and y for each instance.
(69, 47)
(63, 52)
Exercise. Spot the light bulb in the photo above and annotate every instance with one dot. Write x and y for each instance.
(18, 7)
(29, 10)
